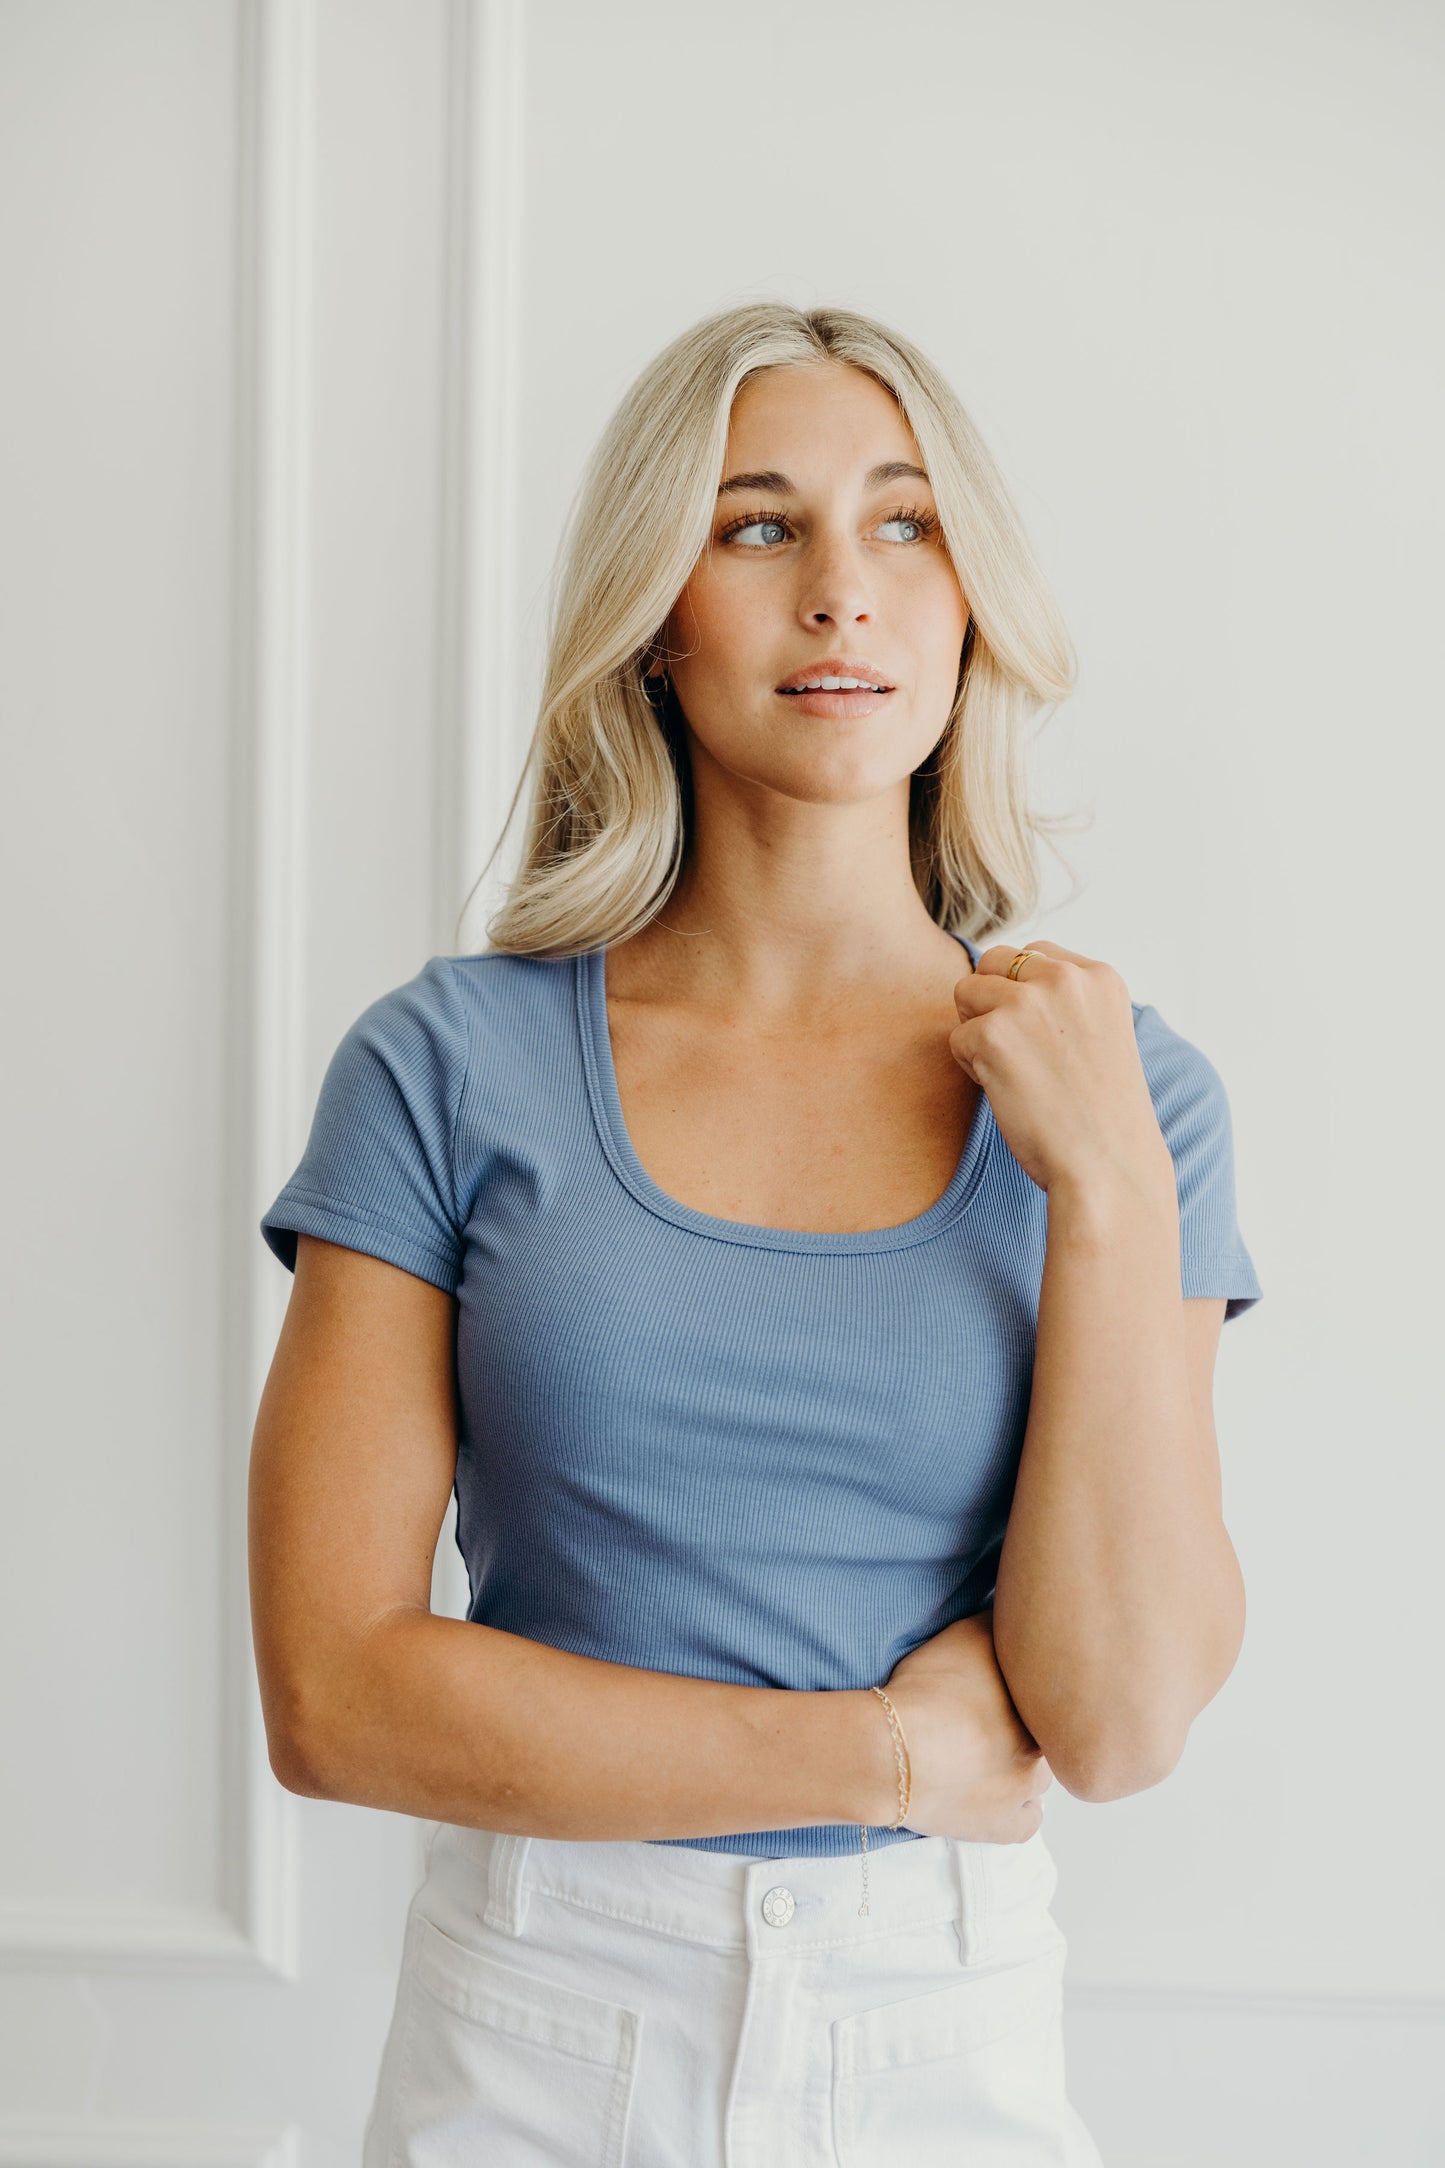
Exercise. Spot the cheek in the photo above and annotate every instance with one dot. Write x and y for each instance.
(939, 620)
(722, 627)
(939, 583)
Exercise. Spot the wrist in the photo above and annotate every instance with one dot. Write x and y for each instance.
(1097, 1205)
(869, 1769)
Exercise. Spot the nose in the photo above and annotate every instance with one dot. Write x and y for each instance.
(833, 583)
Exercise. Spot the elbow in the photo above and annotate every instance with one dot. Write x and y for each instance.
(1106, 1741)
(326, 1715)
(291, 1747)
(1113, 1759)
(1100, 1774)
(294, 1769)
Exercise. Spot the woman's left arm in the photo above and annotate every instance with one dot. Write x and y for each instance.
(1118, 1611)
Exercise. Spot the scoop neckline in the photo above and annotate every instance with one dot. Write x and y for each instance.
(591, 991)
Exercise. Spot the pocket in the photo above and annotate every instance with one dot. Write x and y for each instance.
(972, 2072)
(497, 2065)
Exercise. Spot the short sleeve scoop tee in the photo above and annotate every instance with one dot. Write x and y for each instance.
(773, 1457)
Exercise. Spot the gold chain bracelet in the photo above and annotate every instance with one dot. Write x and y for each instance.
(904, 1763)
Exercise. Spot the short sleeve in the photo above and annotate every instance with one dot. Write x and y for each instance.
(377, 1171)
(1193, 1112)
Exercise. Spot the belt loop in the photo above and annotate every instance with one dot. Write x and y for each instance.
(506, 1905)
(972, 1917)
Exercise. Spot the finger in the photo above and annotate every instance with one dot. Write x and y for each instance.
(1057, 949)
(996, 962)
(978, 994)
(1001, 955)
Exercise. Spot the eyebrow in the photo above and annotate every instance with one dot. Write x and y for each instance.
(778, 485)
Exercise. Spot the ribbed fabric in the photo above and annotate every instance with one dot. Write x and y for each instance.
(704, 1447)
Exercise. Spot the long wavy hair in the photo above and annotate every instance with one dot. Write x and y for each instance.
(610, 809)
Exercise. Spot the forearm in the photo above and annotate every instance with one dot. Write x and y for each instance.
(451, 1721)
(1118, 1607)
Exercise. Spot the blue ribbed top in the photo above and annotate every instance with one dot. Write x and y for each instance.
(776, 1457)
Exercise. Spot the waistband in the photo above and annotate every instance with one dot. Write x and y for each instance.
(728, 1901)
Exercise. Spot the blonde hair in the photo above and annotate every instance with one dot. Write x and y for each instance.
(610, 808)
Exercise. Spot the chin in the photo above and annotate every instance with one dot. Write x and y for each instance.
(840, 781)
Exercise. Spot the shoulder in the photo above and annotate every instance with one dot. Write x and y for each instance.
(409, 1059)
(514, 1010)
(1190, 1100)
(379, 1171)
(1180, 1075)
(1192, 1107)
(455, 1003)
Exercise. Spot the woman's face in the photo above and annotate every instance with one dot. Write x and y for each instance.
(825, 548)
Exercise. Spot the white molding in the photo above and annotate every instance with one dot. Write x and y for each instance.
(253, 1927)
(480, 724)
(67, 2142)
(132, 1939)
(271, 710)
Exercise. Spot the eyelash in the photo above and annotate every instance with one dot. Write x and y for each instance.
(926, 521)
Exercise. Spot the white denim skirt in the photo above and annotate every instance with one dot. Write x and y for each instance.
(631, 2005)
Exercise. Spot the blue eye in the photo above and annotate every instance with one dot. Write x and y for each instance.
(923, 523)
(748, 525)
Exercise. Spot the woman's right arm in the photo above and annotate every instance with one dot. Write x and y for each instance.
(369, 1697)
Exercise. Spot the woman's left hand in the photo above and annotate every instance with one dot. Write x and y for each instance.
(1055, 1051)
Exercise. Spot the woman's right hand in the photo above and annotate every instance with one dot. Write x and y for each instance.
(976, 1772)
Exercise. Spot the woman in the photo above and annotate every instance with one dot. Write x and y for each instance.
(814, 1310)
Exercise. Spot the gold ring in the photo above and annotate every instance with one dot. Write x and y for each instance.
(1022, 958)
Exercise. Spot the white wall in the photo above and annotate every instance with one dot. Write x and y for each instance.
(311, 314)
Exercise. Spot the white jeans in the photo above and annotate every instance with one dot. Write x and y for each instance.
(629, 2005)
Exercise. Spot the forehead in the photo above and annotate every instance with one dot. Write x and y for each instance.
(819, 414)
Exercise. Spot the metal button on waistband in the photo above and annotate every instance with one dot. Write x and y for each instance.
(778, 1907)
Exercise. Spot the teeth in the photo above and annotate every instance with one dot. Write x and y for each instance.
(837, 685)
